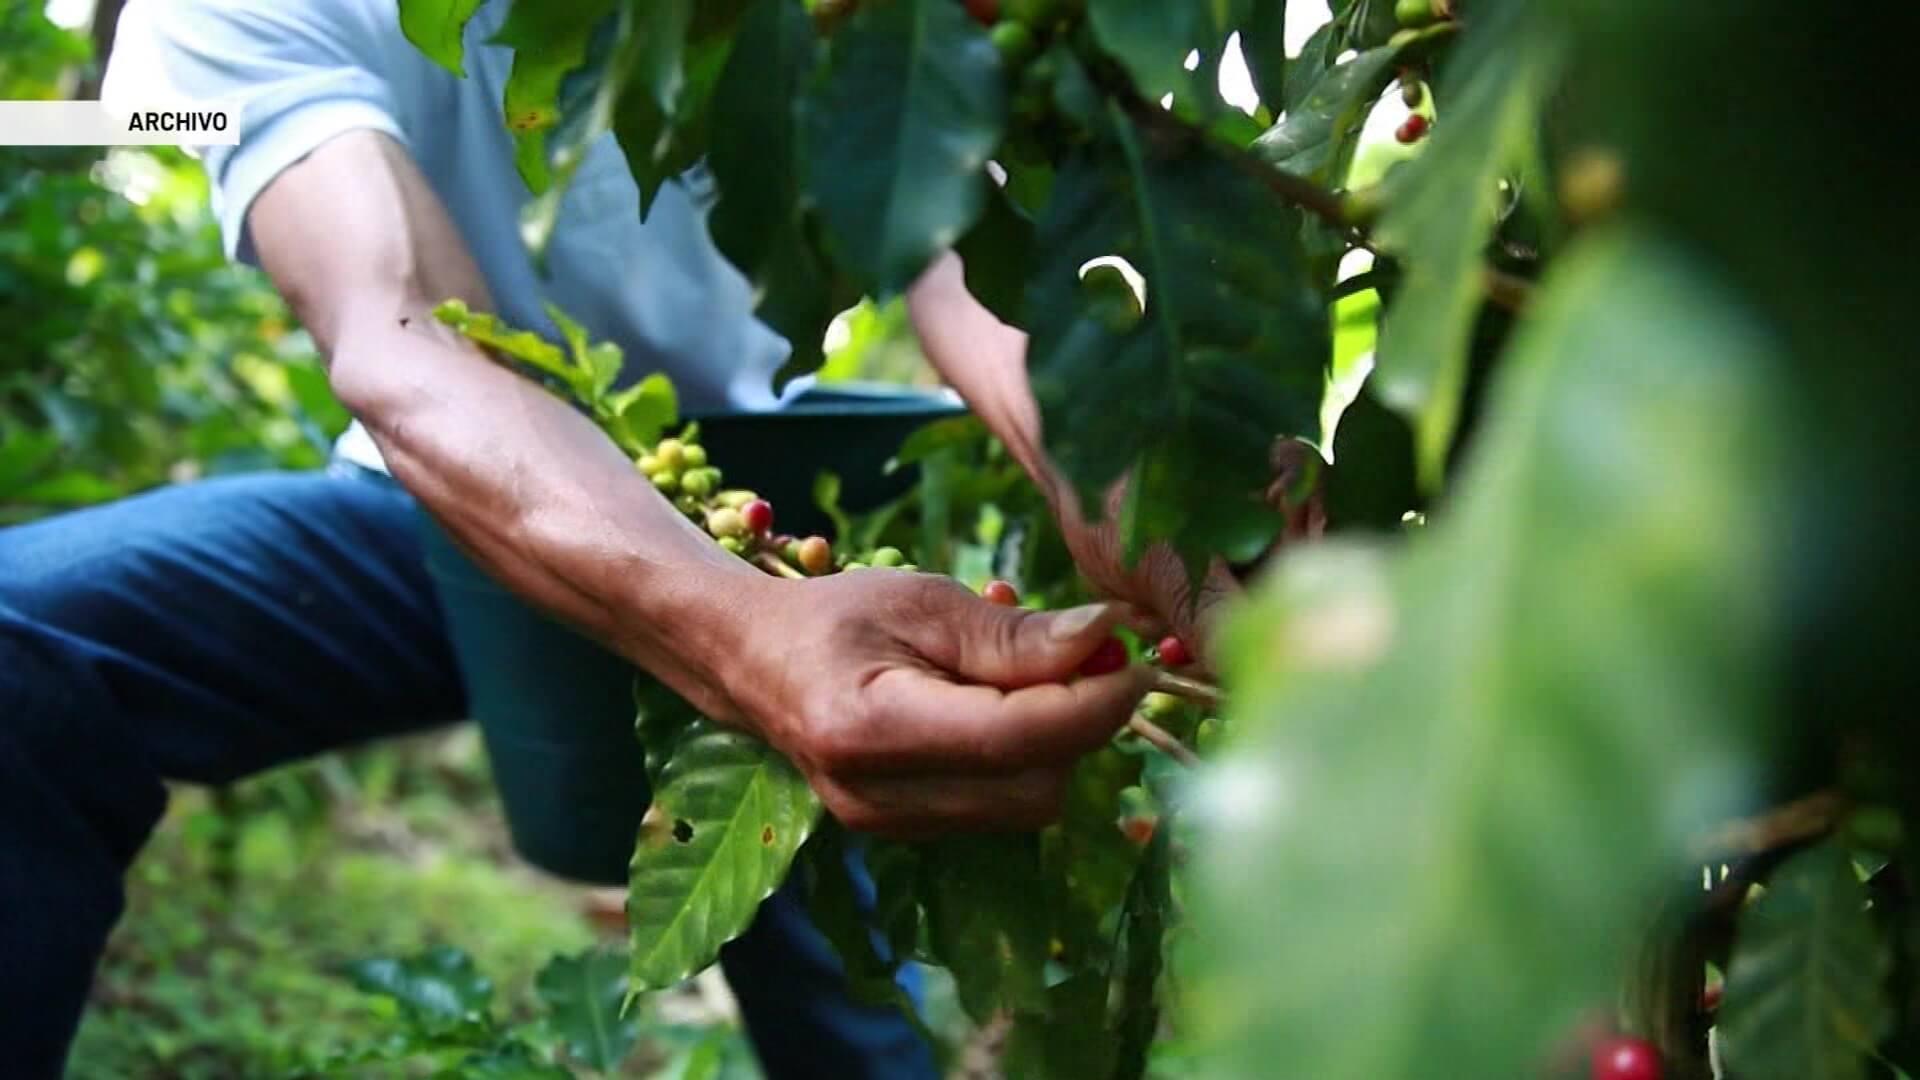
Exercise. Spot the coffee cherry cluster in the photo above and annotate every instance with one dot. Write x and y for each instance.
(677, 466)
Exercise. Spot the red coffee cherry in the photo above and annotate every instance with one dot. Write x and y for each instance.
(758, 515)
(1173, 652)
(1110, 657)
(1622, 1058)
(999, 592)
(1412, 128)
(984, 12)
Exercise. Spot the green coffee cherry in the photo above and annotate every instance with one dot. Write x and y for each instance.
(1157, 705)
(695, 455)
(648, 465)
(691, 505)
(855, 564)
(726, 522)
(888, 556)
(1413, 12)
(791, 553)
(697, 482)
(1206, 737)
(911, 568)
(735, 498)
(1014, 40)
(732, 545)
(671, 453)
(666, 481)
(1032, 12)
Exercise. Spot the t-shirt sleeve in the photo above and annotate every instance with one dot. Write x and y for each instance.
(300, 71)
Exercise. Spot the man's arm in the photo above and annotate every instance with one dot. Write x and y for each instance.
(985, 361)
(911, 704)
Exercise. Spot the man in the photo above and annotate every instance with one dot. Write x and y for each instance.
(205, 632)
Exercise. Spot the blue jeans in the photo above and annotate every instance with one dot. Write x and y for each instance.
(205, 632)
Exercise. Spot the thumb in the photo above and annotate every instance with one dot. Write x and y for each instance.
(1012, 647)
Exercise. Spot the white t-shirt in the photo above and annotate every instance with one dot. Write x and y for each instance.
(304, 71)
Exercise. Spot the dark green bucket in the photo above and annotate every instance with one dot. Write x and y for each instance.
(556, 710)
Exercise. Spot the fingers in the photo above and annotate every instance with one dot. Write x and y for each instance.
(916, 807)
(1006, 647)
(914, 721)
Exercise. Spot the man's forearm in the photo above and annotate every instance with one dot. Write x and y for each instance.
(543, 499)
(982, 358)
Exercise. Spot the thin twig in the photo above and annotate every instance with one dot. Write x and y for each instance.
(1162, 740)
(1797, 821)
(777, 566)
(1193, 690)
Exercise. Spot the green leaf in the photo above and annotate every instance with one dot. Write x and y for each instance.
(899, 128)
(583, 994)
(1229, 354)
(1448, 761)
(439, 989)
(525, 346)
(1440, 213)
(728, 814)
(755, 156)
(1070, 1040)
(1152, 38)
(800, 293)
(665, 90)
(511, 1061)
(435, 28)
(1304, 72)
(826, 496)
(1263, 43)
(996, 253)
(835, 910)
(1149, 906)
(549, 40)
(982, 922)
(1805, 996)
(1319, 133)
(645, 410)
(1088, 863)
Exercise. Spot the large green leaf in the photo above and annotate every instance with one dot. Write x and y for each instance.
(583, 995)
(1153, 38)
(1087, 861)
(549, 41)
(755, 155)
(1319, 133)
(1263, 43)
(1071, 1040)
(436, 26)
(1460, 772)
(996, 253)
(982, 921)
(1441, 211)
(728, 814)
(1230, 352)
(898, 128)
(1804, 997)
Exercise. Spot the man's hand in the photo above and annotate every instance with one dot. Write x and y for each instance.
(914, 706)
(985, 360)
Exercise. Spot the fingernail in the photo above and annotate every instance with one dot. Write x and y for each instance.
(1073, 622)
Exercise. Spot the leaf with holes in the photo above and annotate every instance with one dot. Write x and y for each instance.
(583, 995)
(728, 814)
(898, 130)
(1230, 352)
(1805, 997)
(1447, 758)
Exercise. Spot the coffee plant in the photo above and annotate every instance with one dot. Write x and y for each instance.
(1575, 749)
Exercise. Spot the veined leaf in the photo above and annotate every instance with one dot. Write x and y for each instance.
(755, 157)
(1153, 38)
(1440, 212)
(525, 346)
(1448, 760)
(1229, 354)
(549, 40)
(1319, 133)
(1263, 43)
(728, 814)
(1805, 998)
(436, 27)
(982, 921)
(583, 994)
(899, 127)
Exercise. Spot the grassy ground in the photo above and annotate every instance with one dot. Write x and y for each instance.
(248, 902)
